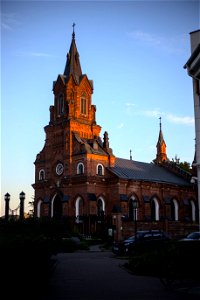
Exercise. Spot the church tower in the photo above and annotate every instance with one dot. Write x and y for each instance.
(161, 147)
(73, 154)
(78, 178)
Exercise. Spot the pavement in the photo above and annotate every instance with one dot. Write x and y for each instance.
(99, 275)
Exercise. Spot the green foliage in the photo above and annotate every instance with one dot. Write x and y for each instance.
(175, 259)
(186, 166)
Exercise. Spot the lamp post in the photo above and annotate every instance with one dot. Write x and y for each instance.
(21, 210)
(7, 199)
(135, 207)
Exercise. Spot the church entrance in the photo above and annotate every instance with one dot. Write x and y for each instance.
(57, 207)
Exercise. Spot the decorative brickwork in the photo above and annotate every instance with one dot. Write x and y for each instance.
(78, 177)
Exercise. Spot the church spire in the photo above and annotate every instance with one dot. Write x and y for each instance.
(73, 66)
(161, 147)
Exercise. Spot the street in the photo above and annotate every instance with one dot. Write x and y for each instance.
(100, 275)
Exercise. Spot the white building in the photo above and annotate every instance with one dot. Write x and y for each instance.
(193, 69)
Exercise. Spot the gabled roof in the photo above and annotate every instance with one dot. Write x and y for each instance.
(93, 146)
(135, 170)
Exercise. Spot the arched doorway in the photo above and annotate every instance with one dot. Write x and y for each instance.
(56, 207)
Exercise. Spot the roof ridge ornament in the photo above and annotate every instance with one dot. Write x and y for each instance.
(73, 33)
(160, 123)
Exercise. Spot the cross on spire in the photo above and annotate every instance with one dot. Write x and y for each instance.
(130, 154)
(73, 34)
(160, 122)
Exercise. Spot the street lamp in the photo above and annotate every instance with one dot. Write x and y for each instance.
(21, 212)
(7, 199)
(135, 207)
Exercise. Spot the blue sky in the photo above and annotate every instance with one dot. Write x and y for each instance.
(134, 51)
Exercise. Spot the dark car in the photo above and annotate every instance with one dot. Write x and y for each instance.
(193, 236)
(143, 238)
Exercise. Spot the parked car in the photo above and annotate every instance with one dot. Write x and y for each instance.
(193, 236)
(143, 238)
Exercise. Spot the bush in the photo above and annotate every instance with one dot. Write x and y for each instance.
(177, 259)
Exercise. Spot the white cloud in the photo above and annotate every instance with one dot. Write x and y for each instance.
(170, 117)
(152, 113)
(34, 54)
(172, 44)
(129, 104)
(186, 120)
(145, 37)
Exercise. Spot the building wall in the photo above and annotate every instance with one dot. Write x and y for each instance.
(73, 138)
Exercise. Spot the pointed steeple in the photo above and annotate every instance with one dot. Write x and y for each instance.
(73, 66)
(161, 147)
(160, 138)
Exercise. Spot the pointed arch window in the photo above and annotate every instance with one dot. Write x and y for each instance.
(56, 207)
(39, 208)
(174, 210)
(83, 104)
(100, 208)
(79, 209)
(154, 210)
(192, 211)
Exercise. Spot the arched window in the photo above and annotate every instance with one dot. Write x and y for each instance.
(80, 168)
(42, 174)
(79, 209)
(39, 205)
(100, 207)
(83, 104)
(154, 210)
(133, 208)
(192, 211)
(100, 170)
(174, 210)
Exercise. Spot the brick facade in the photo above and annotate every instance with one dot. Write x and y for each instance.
(76, 174)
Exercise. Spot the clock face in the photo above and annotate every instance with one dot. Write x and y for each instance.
(59, 169)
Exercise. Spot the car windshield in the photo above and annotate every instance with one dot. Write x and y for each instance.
(130, 239)
(194, 235)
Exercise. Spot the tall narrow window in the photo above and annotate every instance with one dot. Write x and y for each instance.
(60, 105)
(174, 210)
(42, 174)
(39, 208)
(83, 105)
(100, 208)
(79, 209)
(192, 212)
(154, 209)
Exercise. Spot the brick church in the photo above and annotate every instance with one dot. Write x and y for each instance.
(78, 177)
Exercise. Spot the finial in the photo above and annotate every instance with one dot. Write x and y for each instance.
(73, 34)
(130, 155)
(160, 122)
